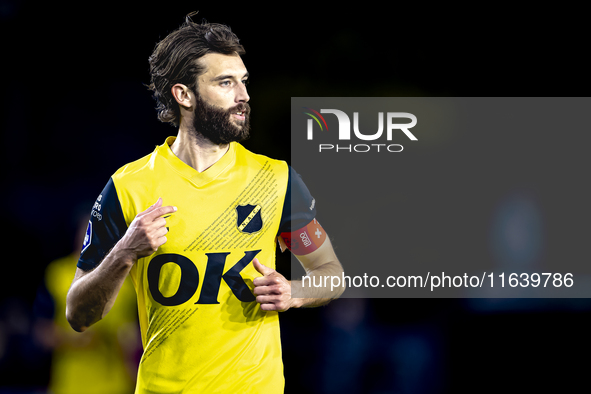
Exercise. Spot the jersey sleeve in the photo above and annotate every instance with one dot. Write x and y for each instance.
(105, 228)
(299, 208)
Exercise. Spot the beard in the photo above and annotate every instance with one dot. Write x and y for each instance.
(217, 125)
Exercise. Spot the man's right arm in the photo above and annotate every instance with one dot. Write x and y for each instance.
(93, 292)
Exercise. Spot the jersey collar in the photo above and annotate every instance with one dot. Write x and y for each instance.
(185, 170)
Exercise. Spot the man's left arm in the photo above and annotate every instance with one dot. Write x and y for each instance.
(275, 293)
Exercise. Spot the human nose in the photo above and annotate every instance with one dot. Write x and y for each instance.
(241, 94)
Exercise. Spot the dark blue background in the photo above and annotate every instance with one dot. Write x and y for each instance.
(75, 108)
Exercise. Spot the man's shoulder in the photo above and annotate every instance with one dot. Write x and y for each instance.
(261, 159)
(136, 167)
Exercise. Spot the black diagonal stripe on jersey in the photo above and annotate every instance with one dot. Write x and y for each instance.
(219, 234)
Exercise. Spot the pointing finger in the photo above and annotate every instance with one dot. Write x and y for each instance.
(160, 211)
(157, 204)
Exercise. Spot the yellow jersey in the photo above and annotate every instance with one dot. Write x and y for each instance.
(202, 329)
(92, 362)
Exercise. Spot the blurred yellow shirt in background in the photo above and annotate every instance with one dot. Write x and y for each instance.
(101, 360)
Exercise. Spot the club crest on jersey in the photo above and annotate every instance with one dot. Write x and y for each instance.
(249, 219)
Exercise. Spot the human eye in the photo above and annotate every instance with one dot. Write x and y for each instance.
(225, 83)
(245, 81)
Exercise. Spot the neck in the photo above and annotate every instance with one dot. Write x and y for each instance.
(197, 152)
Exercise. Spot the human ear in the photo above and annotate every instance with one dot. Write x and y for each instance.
(182, 94)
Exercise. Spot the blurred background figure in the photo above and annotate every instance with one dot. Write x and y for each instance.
(370, 346)
(104, 358)
(517, 237)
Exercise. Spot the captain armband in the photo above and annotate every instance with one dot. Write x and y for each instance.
(305, 240)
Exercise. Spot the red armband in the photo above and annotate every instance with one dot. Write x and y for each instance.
(305, 240)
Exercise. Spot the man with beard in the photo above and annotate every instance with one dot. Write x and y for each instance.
(203, 265)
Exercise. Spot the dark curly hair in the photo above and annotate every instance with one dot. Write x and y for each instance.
(175, 60)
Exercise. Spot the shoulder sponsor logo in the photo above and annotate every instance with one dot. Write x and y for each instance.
(96, 209)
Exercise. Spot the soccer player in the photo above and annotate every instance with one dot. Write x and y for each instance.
(195, 225)
(100, 360)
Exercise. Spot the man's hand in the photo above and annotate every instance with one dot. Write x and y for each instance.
(147, 232)
(93, 293)
(272, 290)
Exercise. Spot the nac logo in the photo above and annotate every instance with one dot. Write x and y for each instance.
(392, 125)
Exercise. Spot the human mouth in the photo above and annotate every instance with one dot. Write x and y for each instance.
(240, 112)
(239, 115)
